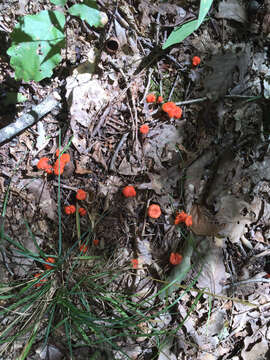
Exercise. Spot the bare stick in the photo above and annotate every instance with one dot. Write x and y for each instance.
(244, 282)
(29, 119)
(147, 86)
(121, 143)
(193, 101)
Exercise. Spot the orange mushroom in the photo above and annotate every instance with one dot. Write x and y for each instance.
(43, 164)
(70, 209)
(151, 98)
(38, 284)
(81, 194)
(82, 211)
(188, 220)
(49, 260)
(96, 242)
(159, 99)
(144, 129)
(196, 60)
(135, 263)
(180, 217)
(129, 191)
(83, 248)
(175, 258)
(154, 211)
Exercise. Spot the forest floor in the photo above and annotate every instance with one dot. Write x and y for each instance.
(213, 163)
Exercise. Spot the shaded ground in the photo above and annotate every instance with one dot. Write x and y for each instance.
(212, 163)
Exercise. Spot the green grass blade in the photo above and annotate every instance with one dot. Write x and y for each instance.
(179, 34)
(204, 8)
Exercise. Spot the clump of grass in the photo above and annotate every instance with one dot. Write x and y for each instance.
(80, 301)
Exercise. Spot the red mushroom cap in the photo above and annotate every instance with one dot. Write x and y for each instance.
(129, 191)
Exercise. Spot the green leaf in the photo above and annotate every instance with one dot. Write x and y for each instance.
(204, 8)
(58, 2)
(36, 44)
(87, 11)
(180, 33)
(13, 98)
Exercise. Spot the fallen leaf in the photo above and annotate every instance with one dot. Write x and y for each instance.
(42, 141)
(81, 170)
(232, 10)
(237, 215)
(42, 196)
(203, 222)
(97, 155)
(217, 83)
(213, 274)
(85, 96)
(259, 350)
(130, 168)
(161, 144)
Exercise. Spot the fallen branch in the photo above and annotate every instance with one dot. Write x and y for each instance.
(30, 118)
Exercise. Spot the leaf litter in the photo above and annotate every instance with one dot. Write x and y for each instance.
(225, 191)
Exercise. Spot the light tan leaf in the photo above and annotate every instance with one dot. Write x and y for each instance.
(213, 274)
(81, 170)
(237, 214)
(97, 155)
(203, 222)
(42, 196)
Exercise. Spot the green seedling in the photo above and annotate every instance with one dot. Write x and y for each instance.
(37, 40)
(182, 32)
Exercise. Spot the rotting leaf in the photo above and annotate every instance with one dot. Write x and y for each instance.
(237, 215)
(161, 144)
(203, 222)
(130, 168)
(223, 67)
(84, 96)
(232, 10)
(80, 169)
(97, 155)
(42, 196)
(144, 251)
(213, 274)
(194, 175)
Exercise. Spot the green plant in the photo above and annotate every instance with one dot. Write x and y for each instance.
(182, 32)
(37, 40)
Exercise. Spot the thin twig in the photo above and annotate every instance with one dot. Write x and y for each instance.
(193, 101)
(119, 146)
(65, 186)
(100, 122)
(173, 87)
(26, 120)
(158, 28)
(148, 85)
(170, 57)
(247, 282)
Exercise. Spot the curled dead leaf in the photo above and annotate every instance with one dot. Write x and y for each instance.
(81, 170)
(203, 222)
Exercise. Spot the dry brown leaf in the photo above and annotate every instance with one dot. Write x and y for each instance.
(203, 222)
(161, 144)
(223, 67)
(232, 10)
(97, 155)
(213, 274)
(81, 170)
(237, 214)
(42, 196)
